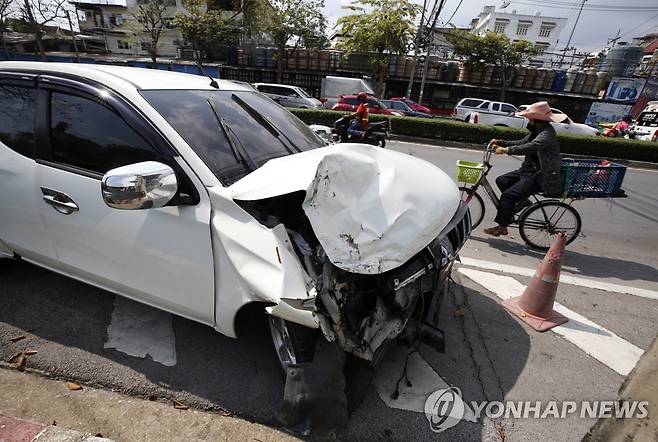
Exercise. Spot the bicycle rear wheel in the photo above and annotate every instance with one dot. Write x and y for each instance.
(475, 205)
(541, 222)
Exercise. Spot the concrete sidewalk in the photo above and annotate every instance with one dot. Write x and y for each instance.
(19, 430)
(29, 398)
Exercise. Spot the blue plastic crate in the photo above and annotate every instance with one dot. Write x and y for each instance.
(592, 178)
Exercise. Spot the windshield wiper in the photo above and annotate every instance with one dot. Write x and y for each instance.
(265, 122)
(240, 153)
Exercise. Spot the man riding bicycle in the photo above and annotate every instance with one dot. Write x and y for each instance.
(541, 168)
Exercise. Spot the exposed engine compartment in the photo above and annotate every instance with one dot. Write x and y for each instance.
(361, 312)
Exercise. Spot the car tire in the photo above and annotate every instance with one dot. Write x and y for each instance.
(293, 343)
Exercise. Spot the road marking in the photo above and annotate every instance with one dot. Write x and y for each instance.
(139, 330)
(564, 278)
(615, 352)
(424, 381)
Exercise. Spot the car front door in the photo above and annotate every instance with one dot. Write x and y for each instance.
(22, 229)
(163, 256)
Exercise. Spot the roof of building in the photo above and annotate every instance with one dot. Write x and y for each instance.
(138, 78)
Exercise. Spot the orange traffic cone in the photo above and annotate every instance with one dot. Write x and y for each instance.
(535, 306)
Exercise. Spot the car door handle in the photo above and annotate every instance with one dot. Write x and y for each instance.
(59, 201)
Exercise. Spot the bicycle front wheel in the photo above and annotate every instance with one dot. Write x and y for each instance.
(475, 205)
(541, 222)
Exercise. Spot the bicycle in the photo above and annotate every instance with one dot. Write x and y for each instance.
(543, 216)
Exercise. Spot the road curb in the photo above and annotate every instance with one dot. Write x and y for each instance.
(13, 429)
(479, 146)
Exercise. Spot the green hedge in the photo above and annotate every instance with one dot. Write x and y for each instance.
(452, 130)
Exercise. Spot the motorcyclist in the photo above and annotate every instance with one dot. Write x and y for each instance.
(359, 124)
(541, 169)
(620, 128)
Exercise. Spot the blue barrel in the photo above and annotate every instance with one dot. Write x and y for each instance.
(231, 55)
(259, 57)
(559, 82)
(270, 59)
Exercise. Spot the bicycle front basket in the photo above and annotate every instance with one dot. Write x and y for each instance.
(592, 178)
(468, 171)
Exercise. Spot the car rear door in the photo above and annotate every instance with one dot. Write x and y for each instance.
(162, 257)
(22, 228)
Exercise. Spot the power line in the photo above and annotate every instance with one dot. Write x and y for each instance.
(456, 9)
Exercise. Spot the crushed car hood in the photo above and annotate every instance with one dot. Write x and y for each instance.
(371, 209)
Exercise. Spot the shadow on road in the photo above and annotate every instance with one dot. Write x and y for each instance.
(66, 322)
(580, 263)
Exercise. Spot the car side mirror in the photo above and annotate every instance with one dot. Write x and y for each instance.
(145, 185)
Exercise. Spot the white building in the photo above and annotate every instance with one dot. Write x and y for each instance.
(543, 31)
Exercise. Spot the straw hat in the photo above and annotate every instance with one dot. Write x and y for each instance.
(541, 111)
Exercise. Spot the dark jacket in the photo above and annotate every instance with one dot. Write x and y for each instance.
(542, 156)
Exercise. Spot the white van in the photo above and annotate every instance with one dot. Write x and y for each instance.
(646, 124)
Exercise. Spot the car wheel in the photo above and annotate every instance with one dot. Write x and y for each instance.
(293, 343)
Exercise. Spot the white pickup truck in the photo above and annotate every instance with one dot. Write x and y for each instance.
(200, 197)
(494, 113)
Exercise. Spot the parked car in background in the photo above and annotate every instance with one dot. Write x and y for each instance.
(646, 124)
(568, 125)
(494, 113)
(413, 105)
(289, 96)
(403, 107)
(349, 103)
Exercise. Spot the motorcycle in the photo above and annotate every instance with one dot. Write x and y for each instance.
(376, 133)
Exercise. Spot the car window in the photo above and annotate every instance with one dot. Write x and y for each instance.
(351, 100)
(17, 115)
(191, 115)
(507, 108)
(87, 134)
(647, 119)
(468, 102)
(484, 105)
(495, 107)
(374, 103)
(303, 92)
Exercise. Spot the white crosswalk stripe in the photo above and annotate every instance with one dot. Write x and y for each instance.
(603, 345)
(424, 381)
(564, 278)
(139, 330)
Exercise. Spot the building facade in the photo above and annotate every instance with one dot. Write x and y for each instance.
(114, 22)
(542, 31)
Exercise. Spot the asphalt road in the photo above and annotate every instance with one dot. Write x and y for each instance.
(490, 355)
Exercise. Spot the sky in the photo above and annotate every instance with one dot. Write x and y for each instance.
(593, 30)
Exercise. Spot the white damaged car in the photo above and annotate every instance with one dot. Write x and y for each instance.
(200, 197)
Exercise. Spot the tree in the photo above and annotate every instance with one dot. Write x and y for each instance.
(491, 47)
(38, 14)
(152, 17)
(5, 11)
(288, 19)
(206, 28)
(379, 27)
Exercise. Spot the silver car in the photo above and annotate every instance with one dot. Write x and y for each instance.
(289, 96)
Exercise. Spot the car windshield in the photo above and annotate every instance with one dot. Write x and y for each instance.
(647, 119)
(303, 92)
(233, 132)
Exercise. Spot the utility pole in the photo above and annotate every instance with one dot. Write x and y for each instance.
(429, 46)
(75, 43)
(421, 25)
(572, 31)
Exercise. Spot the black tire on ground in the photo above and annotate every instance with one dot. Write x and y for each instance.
(293, 343)
(475, 205)
(541, 222)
